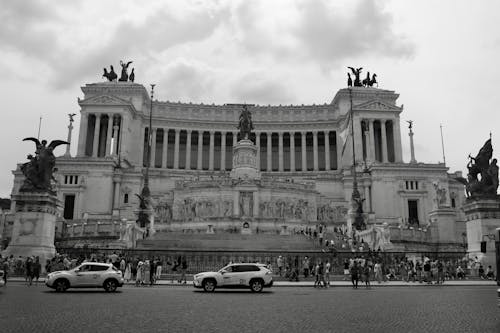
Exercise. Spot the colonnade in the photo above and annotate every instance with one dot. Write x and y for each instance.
(99, 134)
(212, 150)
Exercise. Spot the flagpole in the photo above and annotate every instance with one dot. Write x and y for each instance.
(442, 143)
(39, 126)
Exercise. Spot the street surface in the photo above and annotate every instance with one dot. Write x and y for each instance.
(279, 309)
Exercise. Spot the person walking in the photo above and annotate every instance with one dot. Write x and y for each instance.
(128, 272)
(355, 274)
(316, 275)
(279, 263)
(146, 279)
(28, 269)
(346, 269)
(5, 267)
(366, 275)
(184, 267)
(378, 272)
(139, 273)
(37, 267)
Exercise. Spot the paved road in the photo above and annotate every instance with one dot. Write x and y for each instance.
(285, 309)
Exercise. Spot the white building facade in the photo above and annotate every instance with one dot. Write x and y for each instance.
(303, 156)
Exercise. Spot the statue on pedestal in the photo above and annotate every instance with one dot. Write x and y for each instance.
(39, 170)
(124, 77)
(245, 125)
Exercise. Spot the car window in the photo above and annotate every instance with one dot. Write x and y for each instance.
(84, 268)
(237, 269)
(249, 268)
(96, 268)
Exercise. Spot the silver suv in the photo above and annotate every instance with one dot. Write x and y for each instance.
(241, 275)
(87, 275)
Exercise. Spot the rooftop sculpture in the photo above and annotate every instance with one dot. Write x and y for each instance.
(39, 170)
(112, 76)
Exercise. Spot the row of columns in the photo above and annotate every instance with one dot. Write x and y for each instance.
(369, 134)
(234, 135)
(113, 125)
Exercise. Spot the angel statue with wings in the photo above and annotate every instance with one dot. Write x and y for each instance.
(39, 170)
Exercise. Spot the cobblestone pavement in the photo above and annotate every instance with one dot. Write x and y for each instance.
(285, 309)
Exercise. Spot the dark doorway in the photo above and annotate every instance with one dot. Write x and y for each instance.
(69, 206)
(413, 212)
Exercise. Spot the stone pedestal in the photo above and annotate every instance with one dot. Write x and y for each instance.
(483, 218)
(443, 228)
(245, 161)
(34, 225)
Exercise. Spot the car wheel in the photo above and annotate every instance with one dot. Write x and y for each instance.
(209, 285)
(61, 285)
(256, 285)
(110, 285)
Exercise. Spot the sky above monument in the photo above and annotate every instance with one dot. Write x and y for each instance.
(440, 56)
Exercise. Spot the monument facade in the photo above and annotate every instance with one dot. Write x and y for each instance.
(291, 169)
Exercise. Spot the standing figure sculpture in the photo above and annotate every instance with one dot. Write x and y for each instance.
(366, 82)
(349, 80)
(245, 125)
(356, 72)
(124, 77)
(39, 170)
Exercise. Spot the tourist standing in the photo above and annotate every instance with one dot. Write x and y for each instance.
(28, 268)
(139, 273)
(37, 267)
(440, 272)
(346, 269)
(158, 269)
(366, 274)
(5, 267)
(147, 272)
(355, 275)
(378, 272)
(128, 272)
(123, 265)
(316, 275)
(305, 266)
(327, 273)
(184, 267)
(279, 263)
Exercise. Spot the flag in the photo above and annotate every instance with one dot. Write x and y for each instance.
(344, 133)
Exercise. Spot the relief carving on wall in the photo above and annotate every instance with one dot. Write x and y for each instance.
(190, 209)
(330, 213)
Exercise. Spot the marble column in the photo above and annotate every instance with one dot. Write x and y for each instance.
(199, 163)
(367, 198)
(108, 135)
(235, 142)
(269, 152)
(115, 136)
(176, 148)
(327, 150)
(396, 130)
(384, 141)
(153, 148)
(339, 143)
(97, 129)
(292, 151)
(236, 203)
(372, 139)
(358, 140)
(223, 151)
(82, 136)
(211, 151)
(124, 137)
(315, 150)
(165, 148)
(188, 150)
(280, 151)
(304, 152)
(116, 195)
(257, 143)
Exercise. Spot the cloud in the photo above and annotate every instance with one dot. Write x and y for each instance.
(329, 36)
(186, 80)
(260, 88)
(317, 31)
(23, 28)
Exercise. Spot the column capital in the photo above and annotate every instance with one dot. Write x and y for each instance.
(177, 130)
(314, 132)
(212, 132)
(303, 133)
(383, 121)
(223, 134)
(280, 134)
(189, 131)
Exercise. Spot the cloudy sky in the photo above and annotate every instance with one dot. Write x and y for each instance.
(441, 57)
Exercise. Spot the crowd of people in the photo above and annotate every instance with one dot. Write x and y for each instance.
(364, 267)
(141, 270)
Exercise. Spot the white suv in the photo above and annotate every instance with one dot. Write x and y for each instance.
(242, 275)
(87, 275)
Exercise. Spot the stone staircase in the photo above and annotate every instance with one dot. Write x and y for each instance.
(227, 242)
